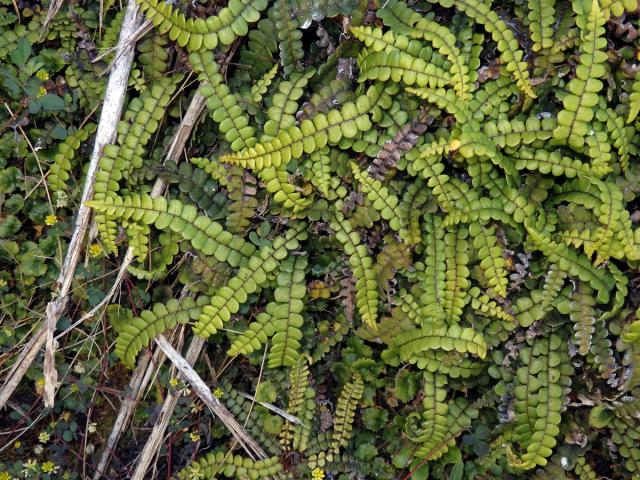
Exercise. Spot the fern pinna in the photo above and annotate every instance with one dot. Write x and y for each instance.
(386, 205)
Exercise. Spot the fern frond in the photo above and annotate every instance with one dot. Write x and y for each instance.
(433, 279)
(276, 180)
(202, 34)
(145, 114)
(220, 462)
(634, 99)
(361, 268)
(541, 19)
(619, 133)
(201, 189)
(222, 104)
(457, 274)
(204, 234)
(319, 163)
(284, 103)
(287, 27)
(242, 188)
(138, 235)
(573, 263)
(440, 422)
(301, 405)
(247, 280)
(286, 312)
(154, 57)
(439, 337)
(410, 210)
(136, 334)
(345, 412)
(582, 96)
(262, 85)
(399, 66)
(444, 99)
(540, 394)
(257, 52)
(484, 305)
(510, 54)
(383, 201)
(256, 335)
(58, 177)
(546, 162)
(491, 260)
(312, 134)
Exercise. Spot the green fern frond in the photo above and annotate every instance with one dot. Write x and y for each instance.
(204, 234)
(247, 280)
(276, 181)
(221, 463)
(312, 135)
(140, 331)
(345, 412)
(410, 211)
(141, 120)
(221, 103)
(361, 268)
(434, 277)
(510, 54)
(439, 337)
(492, 262)
(383, 201)
(440, 422)
(540, 393)
(289, 34)
(541, 19)
(262, 85)
(198, 34)
(59, 171)
(582, 96)
(286, 312)
(284, 103)
(399, 66)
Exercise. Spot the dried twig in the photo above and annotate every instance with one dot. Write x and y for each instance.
(111, 110)
(153, 442)
(137, 385)
(217, 408)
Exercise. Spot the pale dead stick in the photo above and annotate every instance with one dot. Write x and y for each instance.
(137, 384)
(217, 408)
(153, 442)
(111, 111)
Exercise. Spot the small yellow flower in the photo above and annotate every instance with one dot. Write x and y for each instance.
(44, 437)
(3, 282)
(317, 474)
(17, 444)
(51, 220)
(42, 75)
(66, 416)
(95, 250)
(218, 393)
(42, 92)
(194, 437)
(173, 382)
(455, 145)
(49, 467)
(5, 476)
(40, 386)
(74, 388)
